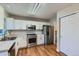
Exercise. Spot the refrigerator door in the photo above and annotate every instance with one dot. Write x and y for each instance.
(46, 34)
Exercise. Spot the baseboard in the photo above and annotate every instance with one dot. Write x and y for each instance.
(57, 50)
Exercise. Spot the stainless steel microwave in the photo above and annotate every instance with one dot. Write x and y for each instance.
(31, 27)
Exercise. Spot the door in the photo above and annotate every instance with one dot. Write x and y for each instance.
(69, 34)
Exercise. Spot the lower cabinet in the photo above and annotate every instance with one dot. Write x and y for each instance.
(40, 39)
(21, 43)
(5, 47)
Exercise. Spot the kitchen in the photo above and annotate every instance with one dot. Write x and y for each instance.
(16, 33)
(30, 29)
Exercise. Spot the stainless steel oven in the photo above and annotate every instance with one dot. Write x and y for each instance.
(31, 40)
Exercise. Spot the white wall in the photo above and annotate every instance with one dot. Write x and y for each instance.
(53, 22)
(69, 10)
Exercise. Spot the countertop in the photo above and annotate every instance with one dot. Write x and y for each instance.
(8, 39)
(6, 45)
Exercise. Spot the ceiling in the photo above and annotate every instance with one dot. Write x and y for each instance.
(45, 10)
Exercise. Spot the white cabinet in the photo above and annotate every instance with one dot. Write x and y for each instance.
(5, 45)
(9, 23)
(39, 27)
(20, 25)
(40, 38)
(23, 24)
(21, 42)
(17, 24)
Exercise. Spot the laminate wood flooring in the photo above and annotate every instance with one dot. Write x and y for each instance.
(42, 50)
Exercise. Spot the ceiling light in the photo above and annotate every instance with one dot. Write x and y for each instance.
(36, 8)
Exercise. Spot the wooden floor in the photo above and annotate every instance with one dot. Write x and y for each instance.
(42, 50)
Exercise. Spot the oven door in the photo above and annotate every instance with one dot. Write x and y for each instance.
(32, 40)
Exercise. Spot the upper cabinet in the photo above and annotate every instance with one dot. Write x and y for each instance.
(23, 24)
(10, 23)
(20, 25)
(39, 27)
(17, 24)
(13, 24)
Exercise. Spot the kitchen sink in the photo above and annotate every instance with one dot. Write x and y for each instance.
(8, 38)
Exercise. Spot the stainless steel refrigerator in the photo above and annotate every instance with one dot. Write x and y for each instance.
(48, 34)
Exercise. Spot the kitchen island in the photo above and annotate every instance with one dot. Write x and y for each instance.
(6, 46)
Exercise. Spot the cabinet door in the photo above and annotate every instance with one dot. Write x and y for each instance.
(5, 45)
(17, 24)
(23, 25)
(40, 39)
(20, 24)
(21, 42)
(9, 23)
(39, 27)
